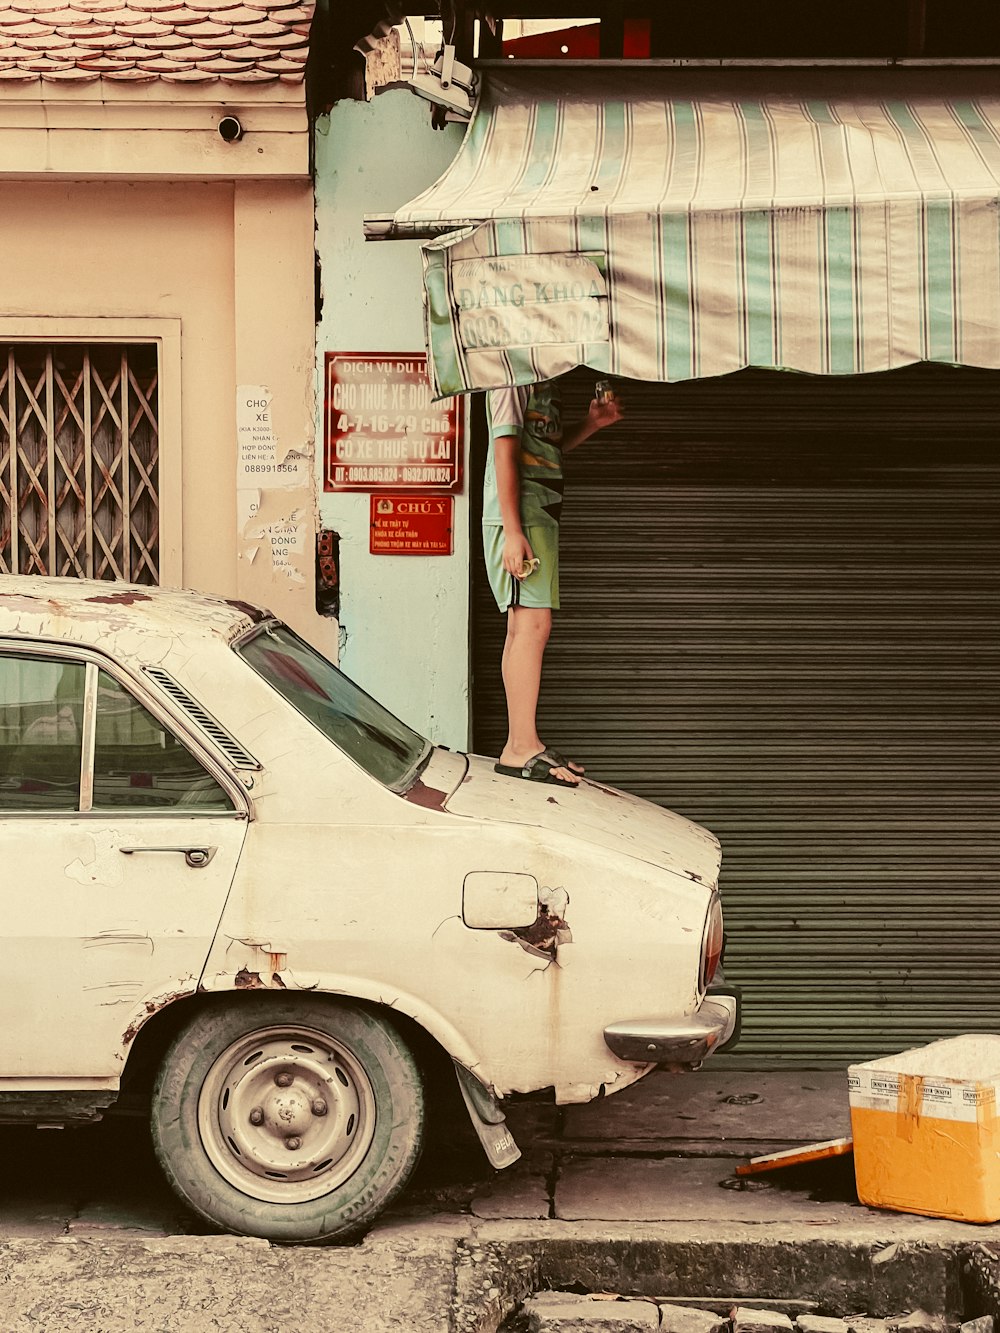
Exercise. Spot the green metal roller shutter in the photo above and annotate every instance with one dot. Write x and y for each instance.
(781, 619)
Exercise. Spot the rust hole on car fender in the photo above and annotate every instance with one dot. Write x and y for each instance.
(246, 980)
(549, 929)
(152, 1007)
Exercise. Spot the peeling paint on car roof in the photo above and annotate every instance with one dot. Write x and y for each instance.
(86, 611)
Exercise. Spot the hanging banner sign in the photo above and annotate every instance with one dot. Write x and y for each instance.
(530, 301)
(382, 430)
(412, 524)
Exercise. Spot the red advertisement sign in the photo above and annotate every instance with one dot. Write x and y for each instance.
(382, 430)
(412, 524)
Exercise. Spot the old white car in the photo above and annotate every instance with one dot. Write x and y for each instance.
(234, 882)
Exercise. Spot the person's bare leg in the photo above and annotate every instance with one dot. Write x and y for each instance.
(528, 629)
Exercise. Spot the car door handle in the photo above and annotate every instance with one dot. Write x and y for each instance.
(196, 857)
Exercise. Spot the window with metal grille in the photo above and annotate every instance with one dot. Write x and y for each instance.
(79, 456)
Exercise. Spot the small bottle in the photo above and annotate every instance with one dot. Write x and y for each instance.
(604, 391)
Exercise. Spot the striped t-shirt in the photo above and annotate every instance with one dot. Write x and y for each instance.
(534, 414)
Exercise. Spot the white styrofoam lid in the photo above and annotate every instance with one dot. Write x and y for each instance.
(974, 1058)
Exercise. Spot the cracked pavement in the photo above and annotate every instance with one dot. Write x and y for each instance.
(91, 1236)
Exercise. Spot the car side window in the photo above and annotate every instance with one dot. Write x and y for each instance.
(140, 765)
(41, 733)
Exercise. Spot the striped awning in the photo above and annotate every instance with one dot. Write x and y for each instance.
(666, 224)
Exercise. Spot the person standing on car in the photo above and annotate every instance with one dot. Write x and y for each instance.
(522, 504)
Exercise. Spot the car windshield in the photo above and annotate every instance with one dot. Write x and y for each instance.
(382, 745)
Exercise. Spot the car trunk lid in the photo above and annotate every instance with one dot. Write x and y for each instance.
(598, 814)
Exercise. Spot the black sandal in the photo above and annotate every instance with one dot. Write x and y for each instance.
(578, 769)
(539, 768)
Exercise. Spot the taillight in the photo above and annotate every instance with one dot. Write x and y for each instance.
(711, 944)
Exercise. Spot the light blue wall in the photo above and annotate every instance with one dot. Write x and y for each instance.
(404, 626)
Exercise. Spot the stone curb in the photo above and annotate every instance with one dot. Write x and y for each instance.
(566, 1312)
(455, 1275)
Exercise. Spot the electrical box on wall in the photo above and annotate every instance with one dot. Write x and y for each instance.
(328, 573)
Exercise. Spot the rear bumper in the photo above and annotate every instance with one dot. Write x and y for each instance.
(684, 1041)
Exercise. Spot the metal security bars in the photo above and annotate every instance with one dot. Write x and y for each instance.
(79, 460)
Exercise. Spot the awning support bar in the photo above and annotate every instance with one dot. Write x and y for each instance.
(383, 227)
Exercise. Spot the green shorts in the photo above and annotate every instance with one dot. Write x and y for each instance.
(541, 588)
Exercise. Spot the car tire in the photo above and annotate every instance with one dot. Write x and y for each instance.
(297, 1119)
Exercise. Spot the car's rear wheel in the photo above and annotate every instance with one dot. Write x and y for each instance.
(293, 1118)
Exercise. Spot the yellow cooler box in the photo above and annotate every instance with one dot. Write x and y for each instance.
(925, 1127)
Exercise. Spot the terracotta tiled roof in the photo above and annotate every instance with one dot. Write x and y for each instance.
(180, 41)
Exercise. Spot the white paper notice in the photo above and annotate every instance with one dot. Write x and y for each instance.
(287, 540)
(247, 509)
(261, 460)
(281, 532)
(270, 518)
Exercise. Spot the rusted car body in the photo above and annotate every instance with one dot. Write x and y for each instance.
(201, 817)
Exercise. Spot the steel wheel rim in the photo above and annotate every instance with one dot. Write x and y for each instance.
(286, 1114)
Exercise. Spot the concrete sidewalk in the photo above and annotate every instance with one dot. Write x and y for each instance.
(659, 1150)
(634, 1194)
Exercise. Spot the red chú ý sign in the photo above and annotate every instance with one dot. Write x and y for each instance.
(412, 524)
